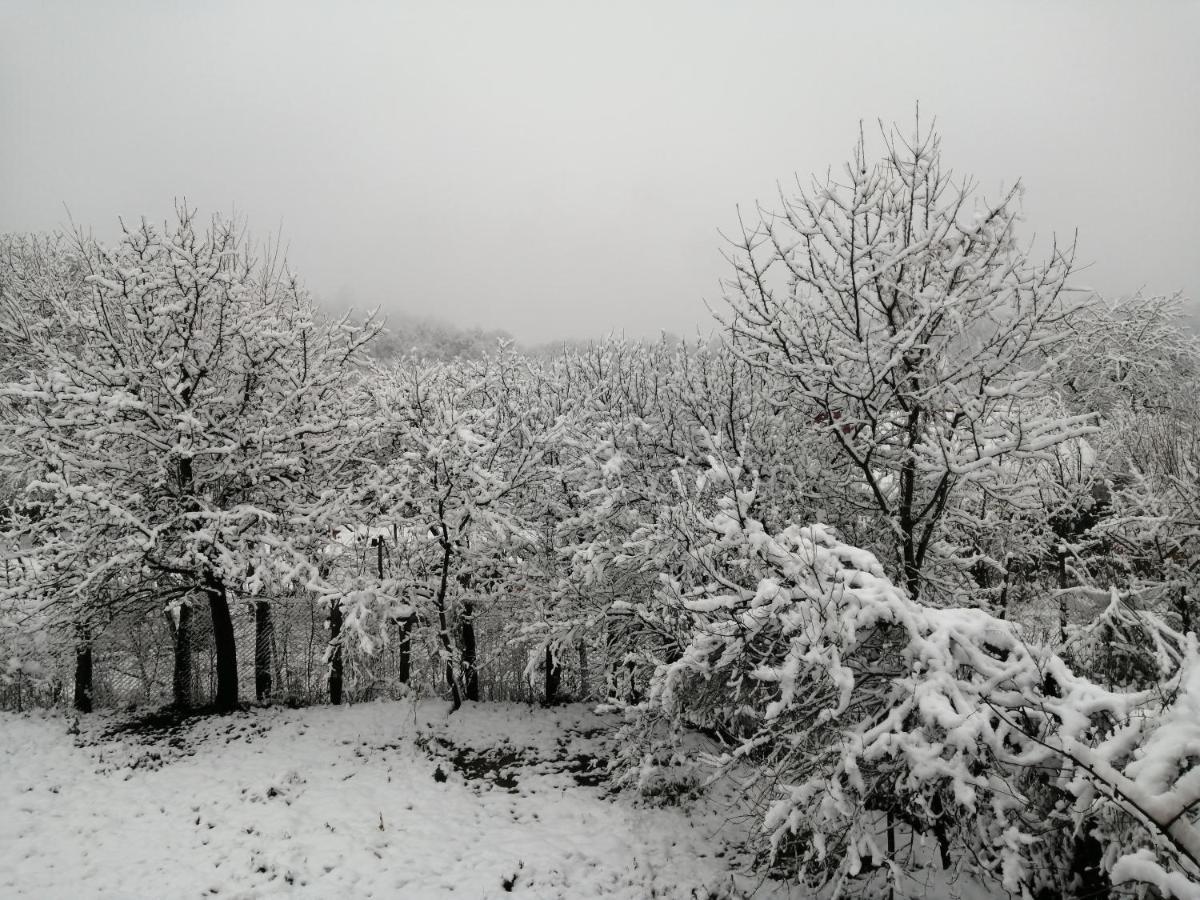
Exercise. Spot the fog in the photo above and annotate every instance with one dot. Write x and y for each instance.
(563, 170)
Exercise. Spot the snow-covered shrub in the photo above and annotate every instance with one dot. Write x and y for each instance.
(878, 731)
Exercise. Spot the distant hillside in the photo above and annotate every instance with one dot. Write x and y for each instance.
(426, 337)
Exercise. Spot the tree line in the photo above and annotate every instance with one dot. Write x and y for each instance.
(911, 544)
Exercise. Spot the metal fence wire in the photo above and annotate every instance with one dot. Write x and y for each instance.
(133, 662)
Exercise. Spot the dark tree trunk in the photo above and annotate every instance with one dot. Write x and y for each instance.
(1088, 868)
(262, 650)
(469, 663)
(83, 677)
(908, 525)
(891, 851)
(443, 625)
(181, 677)
(224, 643)
(553, 677)
(335, 653)
(1185, 611)
(1062, 597)
(912, 575)
(405, 649)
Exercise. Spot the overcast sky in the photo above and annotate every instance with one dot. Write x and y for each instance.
(561, 169)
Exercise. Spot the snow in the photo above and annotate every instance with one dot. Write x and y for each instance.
(1142, 866)
(338, 801)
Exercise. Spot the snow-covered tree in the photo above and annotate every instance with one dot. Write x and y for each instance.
(181, 413)
(458, 451)
(905, 322)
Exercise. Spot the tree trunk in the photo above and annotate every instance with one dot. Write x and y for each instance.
(405, 649)
(335, 652)
(553, 677)
(224, 643)
(1185, 611)
(912, 577)
(443, 626)
(891, 851)
(1062, 597)
(908, 525)
(181, 677)
(1087, 865)
(83, 677)
(262, 650)
(470, 658)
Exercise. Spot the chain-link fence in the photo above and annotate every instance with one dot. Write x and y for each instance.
(133, 661)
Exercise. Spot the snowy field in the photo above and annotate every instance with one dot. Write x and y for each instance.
(375, 800)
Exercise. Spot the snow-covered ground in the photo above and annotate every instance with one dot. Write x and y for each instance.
(375, 800)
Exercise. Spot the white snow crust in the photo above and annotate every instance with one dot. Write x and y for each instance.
(337, 802)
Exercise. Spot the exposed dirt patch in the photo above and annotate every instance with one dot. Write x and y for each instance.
(493, 766)
(156, 725)
(586, 769)
(148, 740)
(504, 765)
